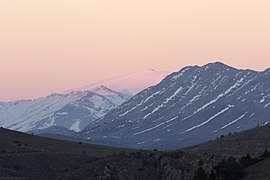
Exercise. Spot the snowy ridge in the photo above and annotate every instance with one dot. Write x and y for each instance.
(193, 105)
(73, 111)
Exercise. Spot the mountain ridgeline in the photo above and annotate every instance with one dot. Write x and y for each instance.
(188, 107)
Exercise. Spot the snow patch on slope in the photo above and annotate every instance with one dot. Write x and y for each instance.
(210, 119)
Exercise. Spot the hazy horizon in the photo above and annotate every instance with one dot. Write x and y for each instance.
(55, 45)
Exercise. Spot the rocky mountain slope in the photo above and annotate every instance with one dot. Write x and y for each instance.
(188, 107)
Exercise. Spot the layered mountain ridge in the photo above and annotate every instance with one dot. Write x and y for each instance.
(188, 107)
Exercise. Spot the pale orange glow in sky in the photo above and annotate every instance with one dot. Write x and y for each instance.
(53, 45)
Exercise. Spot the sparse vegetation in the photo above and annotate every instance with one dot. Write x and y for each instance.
(17, 143)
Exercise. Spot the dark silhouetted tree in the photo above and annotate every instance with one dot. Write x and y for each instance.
(230, 169)
(200, 174)
(246, 161)
(212, 175)
(200, 163)
(266, 154)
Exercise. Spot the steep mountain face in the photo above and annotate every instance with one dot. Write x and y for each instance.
(73, 111)
(131, 84)
(188, 107)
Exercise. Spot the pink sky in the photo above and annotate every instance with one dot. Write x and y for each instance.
(53, 45)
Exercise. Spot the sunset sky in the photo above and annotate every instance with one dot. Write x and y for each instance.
(54, 45)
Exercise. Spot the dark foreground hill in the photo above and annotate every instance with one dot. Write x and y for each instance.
(24, 156)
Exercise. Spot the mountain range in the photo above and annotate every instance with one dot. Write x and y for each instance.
(75, 109)
(188, 107)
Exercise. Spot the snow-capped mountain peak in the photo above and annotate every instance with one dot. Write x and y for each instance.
(73, 110)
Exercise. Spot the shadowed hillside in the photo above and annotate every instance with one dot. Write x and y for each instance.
(32, 157)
